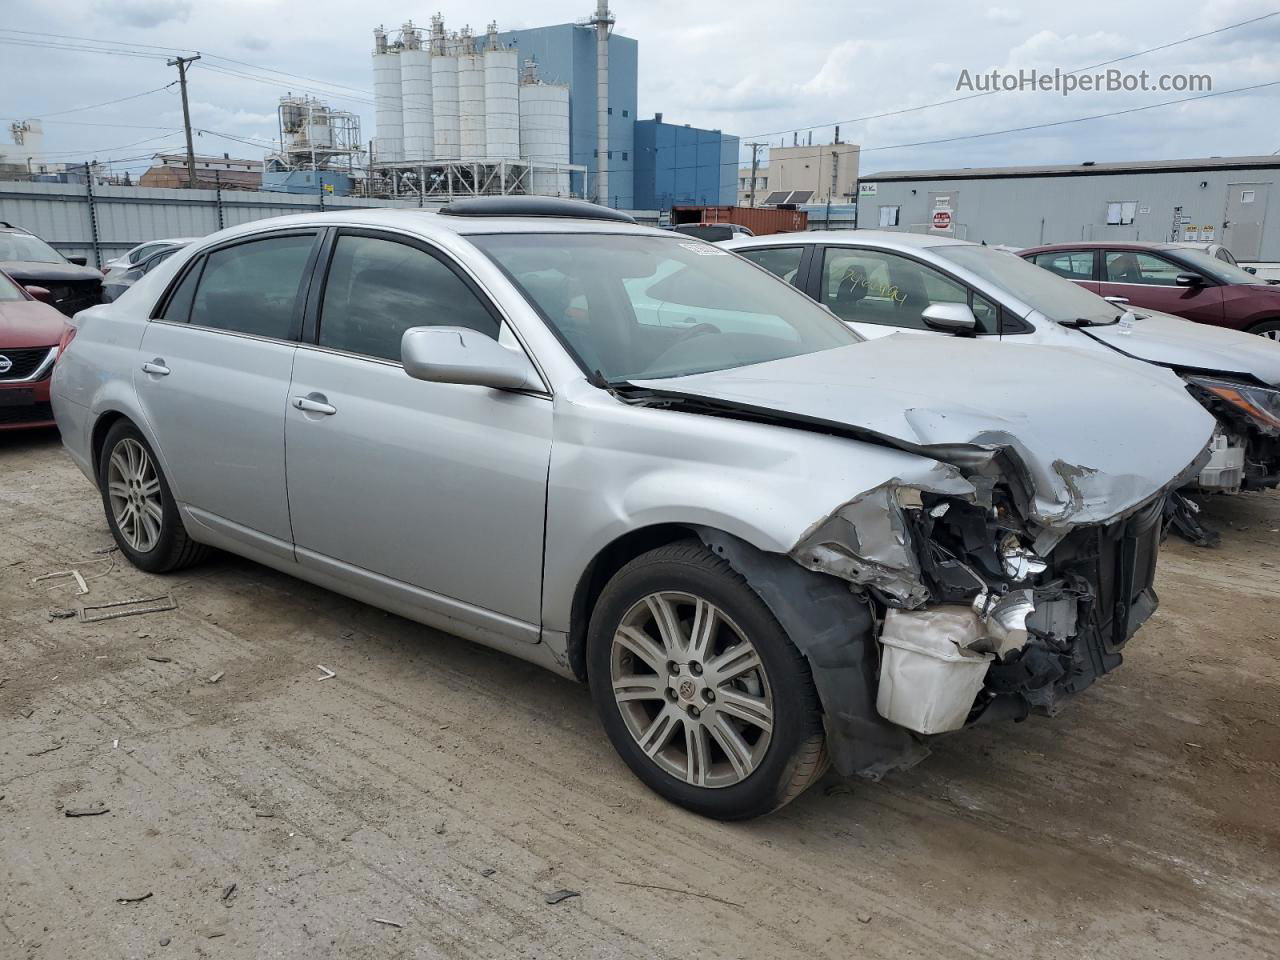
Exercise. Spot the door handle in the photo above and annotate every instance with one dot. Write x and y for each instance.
(315, 403)
(156, 367)
(1116, 299)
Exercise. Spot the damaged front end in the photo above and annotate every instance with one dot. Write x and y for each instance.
(970, 611)
(1246, 443)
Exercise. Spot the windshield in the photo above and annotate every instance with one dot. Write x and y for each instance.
(9, 290)
(1220, 270)
(23, 246)
(1055, 297)
(645, 307)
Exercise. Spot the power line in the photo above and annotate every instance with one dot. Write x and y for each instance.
(105, 103)
(83, 49)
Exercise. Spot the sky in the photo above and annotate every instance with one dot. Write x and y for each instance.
(734, 65)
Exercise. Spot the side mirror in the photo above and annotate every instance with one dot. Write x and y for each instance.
(955, 318)
(79, 261)
(1189, 280)
(461, 355)
(1250, 269)
(40, 293)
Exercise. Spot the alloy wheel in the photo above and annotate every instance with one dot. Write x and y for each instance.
(133, 488)
(691, 689)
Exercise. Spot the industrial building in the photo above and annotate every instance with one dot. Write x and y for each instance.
(24, 157)
(801, 173)
(225, 172)
(1214, 199)
(319, 149)
(679, 164)
(548, 110)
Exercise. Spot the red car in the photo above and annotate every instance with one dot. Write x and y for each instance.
(1168, 277)
(31, 335)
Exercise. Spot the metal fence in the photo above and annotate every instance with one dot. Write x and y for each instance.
(100, 222)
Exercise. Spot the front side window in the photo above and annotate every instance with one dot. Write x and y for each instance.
(637, 307)
(1128, 266)
(253, 287)
(874, 287)
(1072, 264)
(782, 262)
(378, 288)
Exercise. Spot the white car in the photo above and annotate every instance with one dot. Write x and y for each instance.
(122, 264)
(882, 283)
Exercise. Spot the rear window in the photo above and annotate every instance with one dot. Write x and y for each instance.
(23, 246)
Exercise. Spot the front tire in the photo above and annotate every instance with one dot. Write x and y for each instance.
(700, 689)
(1267, 328)
(140, 508)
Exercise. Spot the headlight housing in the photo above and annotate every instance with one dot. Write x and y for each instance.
(1259, 404)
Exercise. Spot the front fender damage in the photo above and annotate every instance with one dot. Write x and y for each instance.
(835, 629)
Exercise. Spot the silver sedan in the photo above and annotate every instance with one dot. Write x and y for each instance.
(640, 461)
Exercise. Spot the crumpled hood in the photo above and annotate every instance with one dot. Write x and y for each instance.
(1176, 342)
(1097, 435)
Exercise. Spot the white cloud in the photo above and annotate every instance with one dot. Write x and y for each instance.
(1005, 15)
(146, 13)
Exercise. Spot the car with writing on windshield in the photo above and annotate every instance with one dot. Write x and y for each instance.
(1173, 278)
(925, 286)
(767, 544)
(26, 258)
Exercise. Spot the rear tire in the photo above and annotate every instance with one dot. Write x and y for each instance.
(1267, 328)
(722, 720)
(140, 508)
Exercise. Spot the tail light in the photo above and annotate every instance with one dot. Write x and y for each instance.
(68, 334)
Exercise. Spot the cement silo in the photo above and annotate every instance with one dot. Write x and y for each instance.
(415, 90)
(501, 99)
(544, 134)
(388, 107)
(471, 119)
(444, 91)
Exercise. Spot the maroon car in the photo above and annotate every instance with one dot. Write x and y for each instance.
(1168, 277)
(31, 335)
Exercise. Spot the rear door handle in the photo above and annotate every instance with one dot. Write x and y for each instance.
(1116, 299)
(156, 367)
(315, 403)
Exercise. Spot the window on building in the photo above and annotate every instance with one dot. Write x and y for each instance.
(610, 155)
(626, 113)
(1121, 212)
(611, 111)
(889, 216)
(624, 155)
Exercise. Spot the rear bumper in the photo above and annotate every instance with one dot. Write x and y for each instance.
(25, 405)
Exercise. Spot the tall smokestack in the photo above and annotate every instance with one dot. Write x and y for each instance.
(603, 22)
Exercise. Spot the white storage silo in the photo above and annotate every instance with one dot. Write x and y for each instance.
(544, 135)
(444, 97)
(501, 104)
(471, 122)
(387, 102)
(415, 88)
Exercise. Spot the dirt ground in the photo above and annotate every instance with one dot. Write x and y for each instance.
(450, 789)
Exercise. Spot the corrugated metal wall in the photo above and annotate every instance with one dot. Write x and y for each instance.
(1026, 211)
(126, 216)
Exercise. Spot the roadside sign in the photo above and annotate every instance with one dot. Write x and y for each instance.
(942, 220)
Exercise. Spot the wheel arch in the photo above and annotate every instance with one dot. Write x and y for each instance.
(97, 437)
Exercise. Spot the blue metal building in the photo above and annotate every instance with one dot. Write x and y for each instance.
(566, 54)
(683, 164)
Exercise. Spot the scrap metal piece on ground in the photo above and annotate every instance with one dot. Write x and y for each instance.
(127, 608)
(1182, 515)
(61, 614)
(138, 899)
(40, 753)
(560, 896)
(159, 659)
(328, 674)
(81, 587)
(216, 677)
(389, 923)
(87, 812)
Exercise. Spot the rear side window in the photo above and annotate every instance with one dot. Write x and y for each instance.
(378, 288)
(252, 287)
(178, 309)
(1073, 265)
(782, 262)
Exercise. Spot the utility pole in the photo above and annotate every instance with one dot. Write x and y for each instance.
(181, 64)
(835, 180)
(755, 165)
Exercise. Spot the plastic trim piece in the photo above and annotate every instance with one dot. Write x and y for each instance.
(533, 207)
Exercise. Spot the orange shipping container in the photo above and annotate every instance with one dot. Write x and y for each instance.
(759, 220)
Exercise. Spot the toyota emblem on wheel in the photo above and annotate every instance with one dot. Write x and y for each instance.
(5, 364)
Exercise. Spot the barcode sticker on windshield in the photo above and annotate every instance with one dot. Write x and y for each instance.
(705, 250)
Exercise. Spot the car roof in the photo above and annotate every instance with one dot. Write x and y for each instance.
(888, 239)
(431, 223)
(1103, 244)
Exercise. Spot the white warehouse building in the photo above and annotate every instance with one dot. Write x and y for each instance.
(456, 116)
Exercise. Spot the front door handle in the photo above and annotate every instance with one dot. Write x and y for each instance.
(315, 403)
(1116, 299)
(156, 367)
